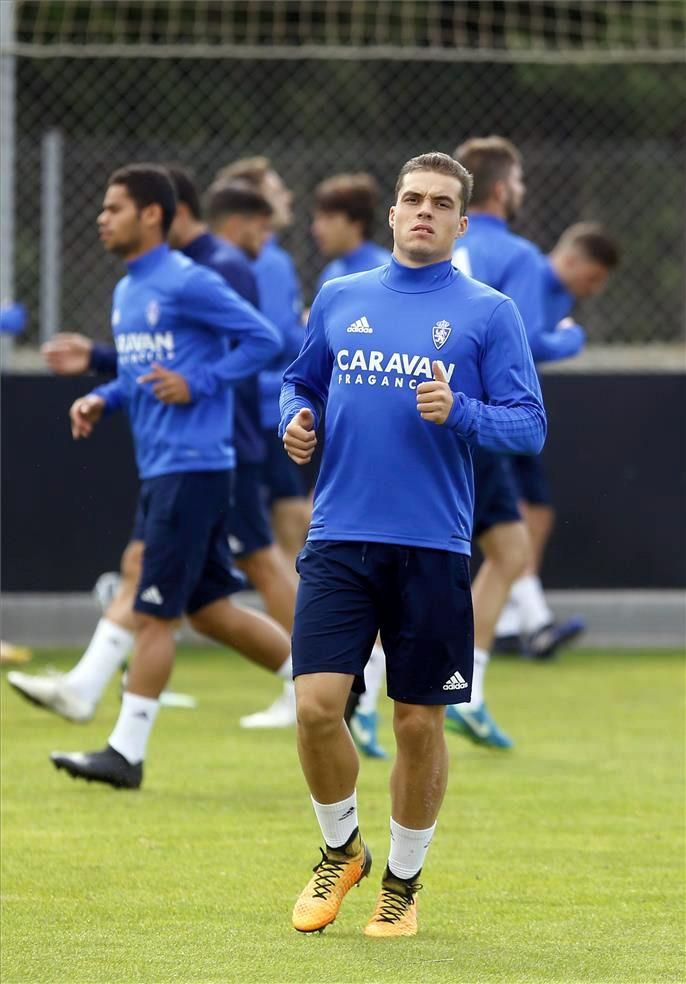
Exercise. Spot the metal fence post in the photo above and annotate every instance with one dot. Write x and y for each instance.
(51, 233)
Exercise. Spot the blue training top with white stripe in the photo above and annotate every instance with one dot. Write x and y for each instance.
(171, 311)
(493, 254)
(387, 475)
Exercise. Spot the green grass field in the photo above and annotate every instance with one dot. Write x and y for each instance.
(560, 861)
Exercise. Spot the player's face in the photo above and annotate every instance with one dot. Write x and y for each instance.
(585, 277)
(426, 218)
(280, 198)
(252, 233)
(515, 190)
(334, 233)
(120, 222)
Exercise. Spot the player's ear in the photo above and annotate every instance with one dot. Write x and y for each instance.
(391, 216)
(462, 226)
(152, 214)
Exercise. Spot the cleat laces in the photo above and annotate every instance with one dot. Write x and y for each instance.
(393, 904)
(327, 871)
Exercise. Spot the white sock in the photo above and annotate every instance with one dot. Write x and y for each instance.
(510, 621)
(133, 727)
(481, 660)
(285, 671)
(107, 651)
(374, 673)
(528, 594)
(408, 849)
(337, 820)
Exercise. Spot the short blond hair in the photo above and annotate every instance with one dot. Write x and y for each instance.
(253, 170)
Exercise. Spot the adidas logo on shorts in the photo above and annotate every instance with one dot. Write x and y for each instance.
(361, 325)
(152, 595)
(456, 682)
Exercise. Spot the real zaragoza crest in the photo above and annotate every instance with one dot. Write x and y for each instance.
(440, 333)
(152, 313)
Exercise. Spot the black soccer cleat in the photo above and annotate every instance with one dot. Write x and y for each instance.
(105, 766)
(545, 643)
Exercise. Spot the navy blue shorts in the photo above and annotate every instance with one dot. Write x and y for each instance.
(249, 526)
(495, 492)
(420, 600)
(182, 520)
(283, 478)
(531, 479)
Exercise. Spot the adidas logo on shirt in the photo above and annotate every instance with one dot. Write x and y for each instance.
(456, 682)
(152, 595)
(361, 325)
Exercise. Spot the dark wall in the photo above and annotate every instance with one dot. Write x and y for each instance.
(616, 454)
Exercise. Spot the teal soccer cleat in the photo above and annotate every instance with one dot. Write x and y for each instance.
(363, 728)
(477, 725)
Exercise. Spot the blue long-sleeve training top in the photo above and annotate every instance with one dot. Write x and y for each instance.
(281, 302)
(386, 474)
(493, 254)
(233, 265)
(366, 256)
(557, 304)
(171, 311)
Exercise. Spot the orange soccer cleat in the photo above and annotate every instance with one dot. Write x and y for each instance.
(396, 908)
(334, 876)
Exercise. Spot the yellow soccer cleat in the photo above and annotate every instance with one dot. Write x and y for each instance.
(396, 908)
(333, 878)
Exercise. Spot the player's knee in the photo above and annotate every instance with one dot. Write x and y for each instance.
(317, 716)
(418, 727)
(512, 552)
(262, 567)
(150, 628)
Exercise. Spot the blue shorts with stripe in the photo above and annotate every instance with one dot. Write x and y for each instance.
(418, 599)
(531, 479)
(249, 525)
(182, 520)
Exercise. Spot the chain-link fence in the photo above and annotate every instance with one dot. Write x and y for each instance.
(597, 111)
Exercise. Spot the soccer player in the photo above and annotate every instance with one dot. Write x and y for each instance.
(343, 225)
(281, 300)
(578, 267)
(76, 694)
(445, 367)
(173, 321)
(495, 256)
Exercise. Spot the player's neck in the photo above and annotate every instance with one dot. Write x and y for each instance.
(143, 248)
(493, 209)
(192, 232)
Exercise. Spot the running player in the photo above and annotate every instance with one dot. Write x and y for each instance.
(497, 257)
(444, 367)
(578, 267)
(75, 695)
(173, 321)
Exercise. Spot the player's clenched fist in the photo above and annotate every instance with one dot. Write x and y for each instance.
(435, 399)
(299, 438)
(84, 415)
